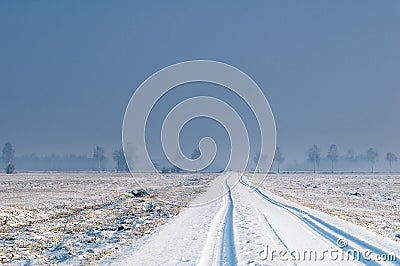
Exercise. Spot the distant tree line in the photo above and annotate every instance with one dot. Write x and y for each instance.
(98, 160)
(53, 162)
(371, 156)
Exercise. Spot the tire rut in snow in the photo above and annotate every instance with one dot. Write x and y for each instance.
(274, 236)
(219, 248)
(316, 224)
(228, 254)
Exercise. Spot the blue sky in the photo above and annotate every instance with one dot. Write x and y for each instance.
(330, 69)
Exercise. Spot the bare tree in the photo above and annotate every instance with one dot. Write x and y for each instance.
(8, 157)
(314, 156)
(278, 158)
(391, 158)
(8, 153)
(372, 157)
(120, 162)
(195, 154)
(333, 155)
(98, 155)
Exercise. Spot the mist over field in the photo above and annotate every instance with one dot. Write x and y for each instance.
(66, 82)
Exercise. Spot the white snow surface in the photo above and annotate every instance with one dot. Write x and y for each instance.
(246, 224)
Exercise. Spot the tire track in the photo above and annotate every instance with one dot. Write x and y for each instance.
(228, 244)
(279, 243)
(219, 248)
(316, 225)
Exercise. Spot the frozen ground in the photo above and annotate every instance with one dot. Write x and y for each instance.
(94, 218)
(252, 226)
(79, 218)
(369, 200)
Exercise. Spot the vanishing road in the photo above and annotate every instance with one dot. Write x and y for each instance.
(251, 226)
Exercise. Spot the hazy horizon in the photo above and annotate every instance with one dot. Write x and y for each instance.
(330, 71)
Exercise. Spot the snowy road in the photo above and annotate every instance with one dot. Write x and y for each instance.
(251, 226)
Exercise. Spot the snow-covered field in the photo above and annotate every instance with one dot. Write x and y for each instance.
(252, 226)
(103, 218)
(50, 218)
